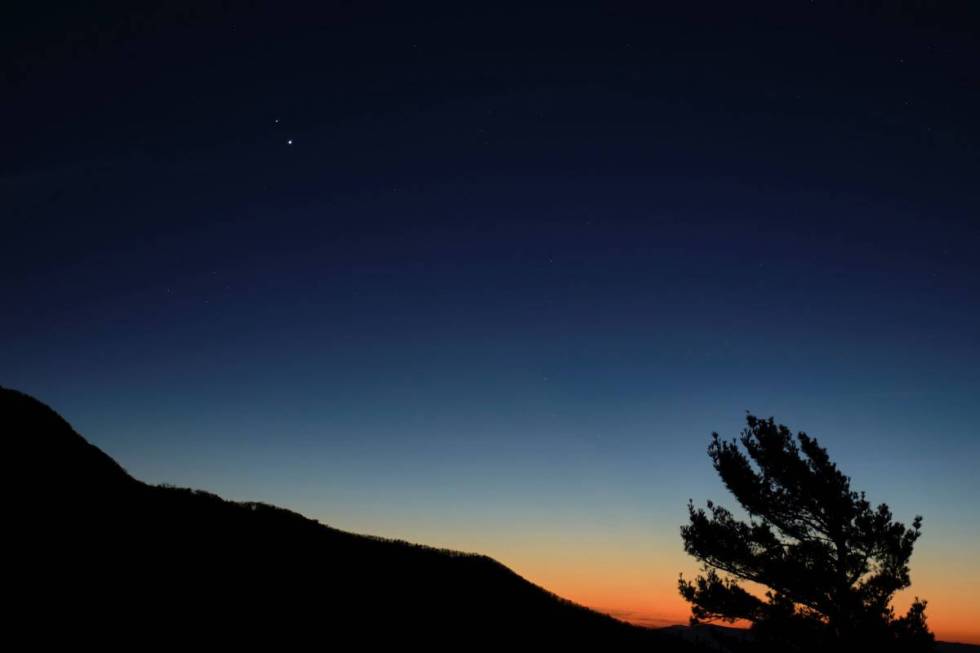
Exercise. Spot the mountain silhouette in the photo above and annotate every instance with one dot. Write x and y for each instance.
(102, 557)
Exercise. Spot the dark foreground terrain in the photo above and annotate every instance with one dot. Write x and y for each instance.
(100, 556)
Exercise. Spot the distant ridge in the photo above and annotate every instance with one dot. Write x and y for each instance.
(103, 557)
(713, 637)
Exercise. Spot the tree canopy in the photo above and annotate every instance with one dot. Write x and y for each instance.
(822, 564)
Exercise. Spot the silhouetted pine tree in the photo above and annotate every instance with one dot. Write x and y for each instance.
(830, 562)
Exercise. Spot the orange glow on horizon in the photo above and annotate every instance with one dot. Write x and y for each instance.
(645, 600)
(632, 575)
(667, 612)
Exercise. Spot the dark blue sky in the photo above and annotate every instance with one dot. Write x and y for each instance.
(515, 265)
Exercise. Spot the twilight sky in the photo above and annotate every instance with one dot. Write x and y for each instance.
(489, 279)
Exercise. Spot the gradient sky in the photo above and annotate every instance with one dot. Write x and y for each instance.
(489, 280)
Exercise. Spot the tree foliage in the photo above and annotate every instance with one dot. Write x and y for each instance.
(828, 562)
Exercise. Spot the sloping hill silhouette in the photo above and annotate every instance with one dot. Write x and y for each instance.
(100, 556)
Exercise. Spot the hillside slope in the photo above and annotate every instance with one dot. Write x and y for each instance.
(101, 556)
